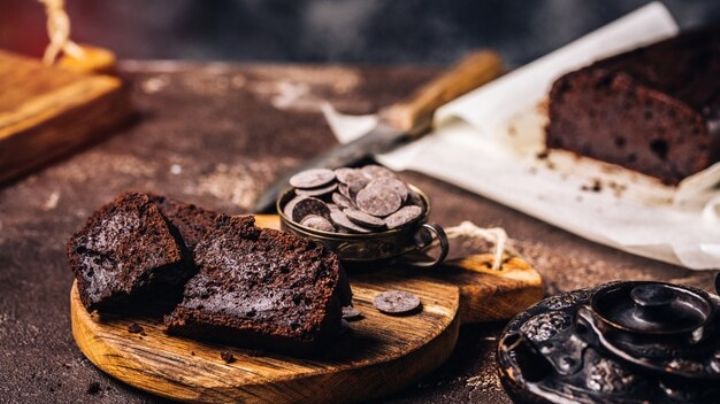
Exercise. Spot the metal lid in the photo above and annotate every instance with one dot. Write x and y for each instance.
(652, 308)
(623, 341)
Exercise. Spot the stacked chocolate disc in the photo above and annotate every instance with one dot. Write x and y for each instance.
(352, 200)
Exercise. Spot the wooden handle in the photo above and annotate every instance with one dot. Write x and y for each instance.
(414, 114)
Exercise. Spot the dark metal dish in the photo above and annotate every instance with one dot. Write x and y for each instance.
(618, 342)
(390, 244)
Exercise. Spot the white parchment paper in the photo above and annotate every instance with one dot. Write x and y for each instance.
(487, 142)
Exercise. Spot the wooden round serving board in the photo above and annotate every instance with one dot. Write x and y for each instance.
(378, 355)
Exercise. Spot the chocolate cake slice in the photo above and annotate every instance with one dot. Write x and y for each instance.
(261, 288)
(126, 252)
(655, 110)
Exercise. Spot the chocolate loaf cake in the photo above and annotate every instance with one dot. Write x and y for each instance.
(125, 252)
(261, 288)
(655, 109)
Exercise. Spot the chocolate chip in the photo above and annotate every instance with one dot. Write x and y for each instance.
(403, 216)
(379, 200)
(349, 313)
(374, 171)
(227, 357)
(342, 200)
(318, 223)
(309, 205)
(317, 191)
(396, 302)
(313, 178)
(363, 219)
(135, 328)
(340, 219)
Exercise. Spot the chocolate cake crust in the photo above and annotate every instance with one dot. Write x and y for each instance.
(655, 110)
(261, 288)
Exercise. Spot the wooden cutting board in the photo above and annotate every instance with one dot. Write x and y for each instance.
(46, 111)
(379, 354)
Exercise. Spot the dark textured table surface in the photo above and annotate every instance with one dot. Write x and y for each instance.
(215, 135)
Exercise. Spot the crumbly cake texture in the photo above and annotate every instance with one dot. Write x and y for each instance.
(126, 252)
(655, 109)
(261, 288)
(192, 222)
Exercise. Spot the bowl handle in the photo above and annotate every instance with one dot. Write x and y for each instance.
(436, 233)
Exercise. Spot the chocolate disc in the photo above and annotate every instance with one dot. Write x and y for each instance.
(340, 219)
(349, 313)
(342, 201)
(318, 223)
(396, 302)
(374, 171)
(392, 183)
(363, 219)
(307, 205)
(378, 201)
(317, 191)
(347, 175)
(314, 178)
(288, 208)
(344, 190)
(405, 215)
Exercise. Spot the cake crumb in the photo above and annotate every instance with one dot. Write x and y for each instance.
(617, 188)
(93, 388)
(227, 357)
(596, 186)
(136, 328)
(543, 154)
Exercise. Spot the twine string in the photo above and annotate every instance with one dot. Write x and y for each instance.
(58, 29)
(495, 235)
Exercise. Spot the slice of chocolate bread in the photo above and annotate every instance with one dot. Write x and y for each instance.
(261, 288)
(192, 222)
(125, 252)
(655, 110)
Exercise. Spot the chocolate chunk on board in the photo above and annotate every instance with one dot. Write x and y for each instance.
(396, 302)
(349, 313)
(227, 357)
(404, 215)
(379, 201)
(314, 178)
